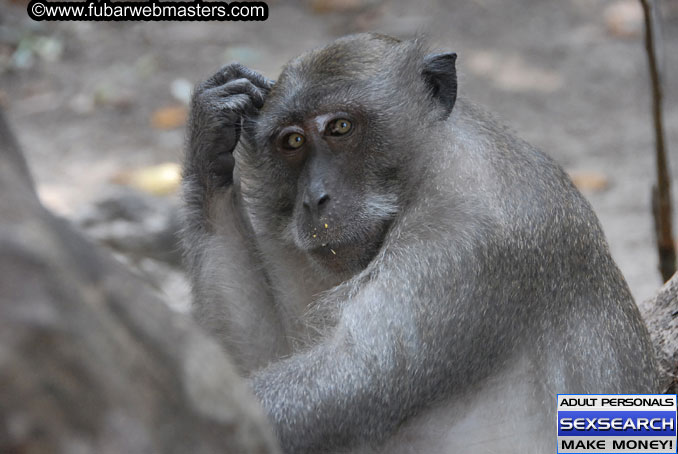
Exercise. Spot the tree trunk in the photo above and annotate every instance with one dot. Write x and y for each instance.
(90, 360)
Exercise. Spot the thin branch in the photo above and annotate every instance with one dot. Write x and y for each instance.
(661, 193)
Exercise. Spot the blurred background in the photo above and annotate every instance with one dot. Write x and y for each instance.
(100, 107)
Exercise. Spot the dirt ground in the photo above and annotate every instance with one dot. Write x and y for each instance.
(569, 76)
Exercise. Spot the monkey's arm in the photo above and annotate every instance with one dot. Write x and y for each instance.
(231, 297)
(406, 338)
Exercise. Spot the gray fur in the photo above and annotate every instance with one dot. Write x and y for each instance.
(479, 286)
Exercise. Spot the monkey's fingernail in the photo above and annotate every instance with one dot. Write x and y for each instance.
(332, 251)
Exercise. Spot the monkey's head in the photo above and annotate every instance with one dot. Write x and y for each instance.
(340, 143)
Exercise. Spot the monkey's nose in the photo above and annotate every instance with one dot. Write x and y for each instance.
(315, 204)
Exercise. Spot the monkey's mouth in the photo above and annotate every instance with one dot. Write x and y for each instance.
(348, 255)
(334, 243)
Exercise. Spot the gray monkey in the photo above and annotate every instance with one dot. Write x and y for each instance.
(392, 269)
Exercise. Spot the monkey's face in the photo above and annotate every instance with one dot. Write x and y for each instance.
(327, 188)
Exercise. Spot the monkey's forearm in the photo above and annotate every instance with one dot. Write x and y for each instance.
(331, 397)
(232, 298)
(349, 388)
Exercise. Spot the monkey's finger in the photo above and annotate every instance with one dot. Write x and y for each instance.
(238, 86)
(234, 106)
(258, 80)
(235, 71)
(225, 74)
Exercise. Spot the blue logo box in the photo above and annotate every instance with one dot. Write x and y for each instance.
(617, 423)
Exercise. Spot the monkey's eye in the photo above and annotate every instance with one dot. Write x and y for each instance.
(293, 141)
(339, 127)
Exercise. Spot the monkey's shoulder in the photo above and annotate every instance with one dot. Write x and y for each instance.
(517, 184)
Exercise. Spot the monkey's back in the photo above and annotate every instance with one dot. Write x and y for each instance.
(556, 251)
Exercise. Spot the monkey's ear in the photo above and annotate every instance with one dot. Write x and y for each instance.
(440, 75)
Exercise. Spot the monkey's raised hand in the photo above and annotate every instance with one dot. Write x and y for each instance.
(219, 107)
